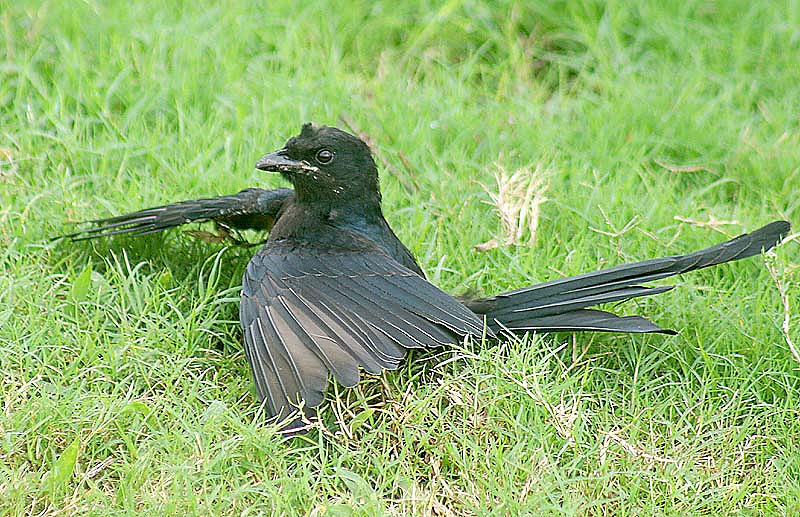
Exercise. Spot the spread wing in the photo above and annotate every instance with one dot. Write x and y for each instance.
(252, 208)
(309, 311)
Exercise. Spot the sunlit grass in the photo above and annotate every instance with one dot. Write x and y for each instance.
(125, 390)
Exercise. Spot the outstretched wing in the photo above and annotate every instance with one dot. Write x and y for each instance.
(252, 208)
(308, 311)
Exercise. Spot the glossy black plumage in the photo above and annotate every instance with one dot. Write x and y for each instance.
(311, 309)
(334, 291)
(250, 209)
(557, 304)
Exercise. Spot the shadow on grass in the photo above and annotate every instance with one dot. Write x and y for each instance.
(175, 251)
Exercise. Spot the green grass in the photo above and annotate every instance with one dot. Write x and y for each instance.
(125, 390)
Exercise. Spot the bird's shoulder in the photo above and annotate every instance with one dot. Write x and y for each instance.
(362, 230)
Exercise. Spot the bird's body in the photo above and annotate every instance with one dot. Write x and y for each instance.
(334, 291)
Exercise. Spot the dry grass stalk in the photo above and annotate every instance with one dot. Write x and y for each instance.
(614, 437)
(783, 292)
(713, 223)
(518, 200)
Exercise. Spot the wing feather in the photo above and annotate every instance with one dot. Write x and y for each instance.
(390, 313)
(309, 311)
(362, 345)
(252, 208)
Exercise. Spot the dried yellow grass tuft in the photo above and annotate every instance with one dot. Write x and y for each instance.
(518, 200)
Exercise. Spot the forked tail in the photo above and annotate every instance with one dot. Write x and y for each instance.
(560, 305)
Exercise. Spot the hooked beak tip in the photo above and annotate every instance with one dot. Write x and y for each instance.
(276, 162)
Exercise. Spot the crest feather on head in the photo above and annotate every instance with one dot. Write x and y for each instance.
(308, 129)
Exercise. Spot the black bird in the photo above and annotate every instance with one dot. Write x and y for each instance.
(334, 291)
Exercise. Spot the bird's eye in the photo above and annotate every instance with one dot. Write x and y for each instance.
(324, 156)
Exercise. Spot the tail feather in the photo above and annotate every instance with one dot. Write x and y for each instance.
(560, 304)
(520, 309)
(583, 320)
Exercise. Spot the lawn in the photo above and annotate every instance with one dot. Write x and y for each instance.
(656, 128)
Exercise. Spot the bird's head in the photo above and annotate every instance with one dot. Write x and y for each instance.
(326, 165)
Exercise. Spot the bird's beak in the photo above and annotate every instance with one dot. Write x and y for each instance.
(280, 162)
